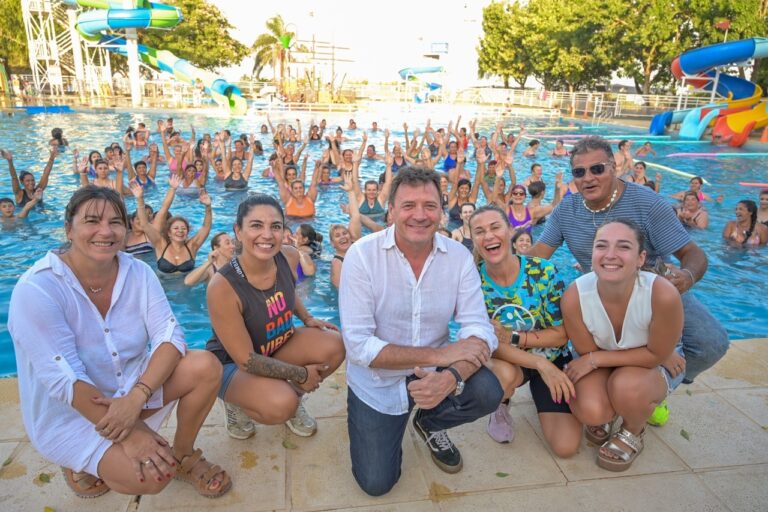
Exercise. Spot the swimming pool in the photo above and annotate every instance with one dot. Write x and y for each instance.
(731, 288)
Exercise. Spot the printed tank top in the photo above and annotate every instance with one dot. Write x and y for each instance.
(268, 314)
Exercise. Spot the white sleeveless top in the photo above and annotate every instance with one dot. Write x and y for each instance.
(637, 320)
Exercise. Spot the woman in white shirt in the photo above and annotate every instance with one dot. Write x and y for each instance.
(625, 324)
(106, 367)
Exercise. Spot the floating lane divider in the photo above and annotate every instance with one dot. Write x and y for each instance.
(750, 184)
(651, 138)
(671, 170)
(556, 128)
(655, 142)
(718, 155)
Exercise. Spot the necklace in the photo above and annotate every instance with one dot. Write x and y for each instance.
(241, 273)
(604, 208)
(95, 290)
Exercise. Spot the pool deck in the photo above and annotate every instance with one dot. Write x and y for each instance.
(712, 455)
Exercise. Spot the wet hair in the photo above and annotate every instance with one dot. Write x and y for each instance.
(751, 207)
(257, 200)
(534, 142)
(560, 141)
(533, 166)
(24, 174)
(135, 214)
(257, 146)
(307, 231)
(6, 200)
(591, 143)
(697, 178)
(99, 162)
(474, 207)
(170, 222)
(413, 176)
(623, 143)
(90, 156)
(536, 188)
(91, 193)
(519, 233)
(216, 240)
(639, 235)
(140, 162)
(370, 182)
(462, 182)
(490, 207)
(57, 134)
(691, 193)
(641, 164)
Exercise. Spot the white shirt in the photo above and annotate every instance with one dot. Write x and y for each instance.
(382, 302)
(60, 337)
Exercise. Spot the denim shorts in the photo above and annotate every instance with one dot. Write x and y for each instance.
(226, 378)
(673, 382)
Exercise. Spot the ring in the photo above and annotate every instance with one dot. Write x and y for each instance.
(565, 367)
(147, 462)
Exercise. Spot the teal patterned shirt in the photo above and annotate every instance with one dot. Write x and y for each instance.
(531, 303)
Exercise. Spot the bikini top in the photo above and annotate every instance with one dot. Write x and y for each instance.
(165, 266)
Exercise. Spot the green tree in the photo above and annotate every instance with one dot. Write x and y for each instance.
(13, 37)
(202, 38)
(501, 52)
(270, 47)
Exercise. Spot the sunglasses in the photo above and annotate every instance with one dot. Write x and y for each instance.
(518, 194)
(595, 170)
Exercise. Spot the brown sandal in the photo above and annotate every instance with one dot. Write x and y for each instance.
(199, 472)
(84, 485)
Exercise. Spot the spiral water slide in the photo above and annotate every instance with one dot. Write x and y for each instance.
(738, 94)
(109, 15)
(416, 74)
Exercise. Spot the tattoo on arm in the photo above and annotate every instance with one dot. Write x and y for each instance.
(275, 369)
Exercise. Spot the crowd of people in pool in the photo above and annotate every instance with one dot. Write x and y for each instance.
(109, 363)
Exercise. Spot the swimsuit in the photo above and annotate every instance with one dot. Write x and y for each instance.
(165, 266)
(376, 211)
(524, 224)
(396, 166)
(466, 242)
(25, 198)
(141, 247)
(235, 184)
(449, 163)
(146, 184)
(306, 210)
(193, 189)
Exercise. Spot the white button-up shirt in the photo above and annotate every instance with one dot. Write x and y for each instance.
(60, 337)
(381, 302)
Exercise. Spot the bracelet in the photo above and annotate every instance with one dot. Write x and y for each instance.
(144, 389)
(591, 362)
(524, 344)
(693, 281)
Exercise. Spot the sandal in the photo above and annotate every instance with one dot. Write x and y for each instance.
(626, 454)
(84, 485)
(590, 433)
(197, 471)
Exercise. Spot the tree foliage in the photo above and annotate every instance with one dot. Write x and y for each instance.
(576, 44)
(13, 38)
(268, 48)
(202, 38)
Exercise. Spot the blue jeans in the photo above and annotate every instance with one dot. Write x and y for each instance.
(376, 439)
(704, 339)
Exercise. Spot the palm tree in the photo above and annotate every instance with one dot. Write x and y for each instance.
(271, 47)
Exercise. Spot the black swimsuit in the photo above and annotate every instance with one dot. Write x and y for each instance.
(165, 266)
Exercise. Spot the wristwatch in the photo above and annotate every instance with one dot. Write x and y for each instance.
(515, 339)
(459, 380)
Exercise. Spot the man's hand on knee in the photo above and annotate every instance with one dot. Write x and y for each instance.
(473, 350)
(431, 388)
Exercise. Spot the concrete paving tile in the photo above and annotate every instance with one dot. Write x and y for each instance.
(742, 489)
(11, 424)
(6, 450)
(330, 400)
(411, 506)
(320, 474)
(753, 402)
(256, 466)
(489, 465)
(718, 435)
(738, 369)
(757, 348)
(695, 387)
(32, 483)
(656, 457)
(681, 493)
(522, 395)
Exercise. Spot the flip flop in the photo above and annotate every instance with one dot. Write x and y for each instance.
(84, 485)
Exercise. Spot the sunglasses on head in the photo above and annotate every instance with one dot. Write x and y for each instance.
(595, 170)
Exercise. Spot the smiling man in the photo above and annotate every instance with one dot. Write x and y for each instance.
(603, 197)
(399, 290)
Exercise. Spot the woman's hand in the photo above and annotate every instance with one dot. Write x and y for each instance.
(314, 377)
(205, 199)
(560, 386)
(150, 454)
(136, 189)
(320, 324)
(578, 368)
(174, 181)
(121, 415)
(674, 364)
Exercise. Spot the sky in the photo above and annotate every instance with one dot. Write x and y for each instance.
(382, 37)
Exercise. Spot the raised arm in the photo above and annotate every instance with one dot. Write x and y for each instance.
(199, 239)
(164, 139)
(154, 234)
(12, 171)
(128, 160)
(48, 168)
(407, 142)
(312, 192)
(36, 197)
(386, 187)
(303, 174)
(361, 151)
(152, 161)
(249, 164)
(160, 216)
(386, 141)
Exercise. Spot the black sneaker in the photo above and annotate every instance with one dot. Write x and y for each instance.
(444, 453)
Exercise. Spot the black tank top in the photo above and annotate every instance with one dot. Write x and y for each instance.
(268, 314)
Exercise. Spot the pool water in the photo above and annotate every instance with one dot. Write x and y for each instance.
(731, 288)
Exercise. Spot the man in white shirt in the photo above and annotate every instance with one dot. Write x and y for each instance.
(399, 290)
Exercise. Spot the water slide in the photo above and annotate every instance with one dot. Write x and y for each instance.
(414, 74)
(739, 94)
(109, 15)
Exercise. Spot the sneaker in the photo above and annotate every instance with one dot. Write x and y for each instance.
(660, 415)
(302, 424)
(239, 425)
(501, 426)
(444, 453)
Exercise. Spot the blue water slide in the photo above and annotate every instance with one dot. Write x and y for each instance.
(694, 125)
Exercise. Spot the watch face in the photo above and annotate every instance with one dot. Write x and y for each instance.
(459, 388)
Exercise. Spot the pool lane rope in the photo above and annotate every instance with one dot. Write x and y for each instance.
(718, 155)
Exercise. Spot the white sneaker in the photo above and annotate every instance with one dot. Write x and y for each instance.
(302, 424)
(239, 425)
